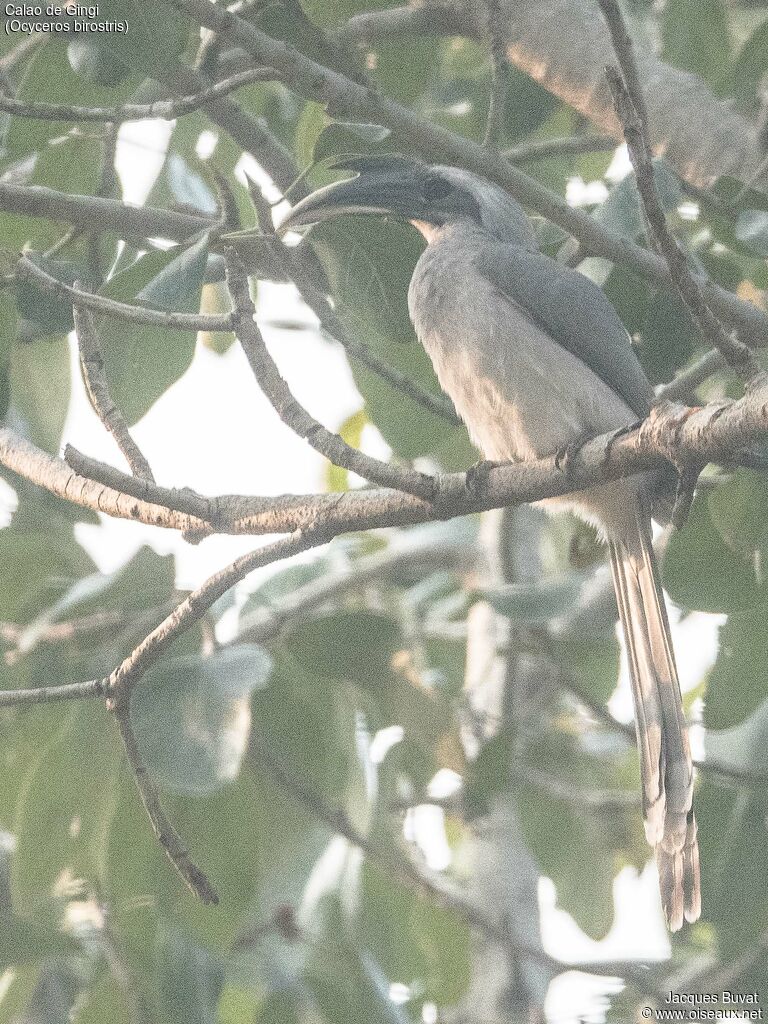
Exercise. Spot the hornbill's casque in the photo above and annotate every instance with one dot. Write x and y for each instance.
(536, 358)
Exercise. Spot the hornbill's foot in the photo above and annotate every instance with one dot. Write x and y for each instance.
(477, 476)
(565, 455)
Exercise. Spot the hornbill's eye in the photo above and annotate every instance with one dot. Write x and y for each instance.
(437, 188)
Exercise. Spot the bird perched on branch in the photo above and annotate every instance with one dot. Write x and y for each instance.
(535, 359)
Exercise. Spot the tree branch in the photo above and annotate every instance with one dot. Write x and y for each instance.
(166, 834)
(27, 269)
(542, 149)
(631, 110)
(92, 365)
(291, 412)
(726, 432)
(166, 110)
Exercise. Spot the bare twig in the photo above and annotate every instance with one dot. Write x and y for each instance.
(92, 365)
(542, 149)
(91, 212)
(167, 836)
(166, 110)
(625, 51)
(630, 108)
(494, 125)
(292, 413)
(26, 268)
(123, 679)
(51, 694)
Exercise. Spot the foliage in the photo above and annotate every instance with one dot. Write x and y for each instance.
(261, 748)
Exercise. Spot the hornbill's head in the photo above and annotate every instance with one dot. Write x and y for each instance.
(429, 196)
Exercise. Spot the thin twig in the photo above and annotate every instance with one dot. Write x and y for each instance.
(123, 679)
(408, 873)
(167, 836)
(92, 365)
(166, 110)
(631, 110)
(625, 51)
(50, 694)
(295, 415)
(494, 124)
(542, 149)
(27, 269)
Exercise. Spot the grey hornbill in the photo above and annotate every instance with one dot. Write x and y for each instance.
(536, 358)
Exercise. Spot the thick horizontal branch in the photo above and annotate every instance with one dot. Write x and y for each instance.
(727, 432)
(347, 99)
(52, 473)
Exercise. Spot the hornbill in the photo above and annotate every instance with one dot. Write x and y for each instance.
(535, 359)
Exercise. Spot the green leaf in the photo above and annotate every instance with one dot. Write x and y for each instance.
(621, 210)
(669, 337)
(40, 384)
(25, 942)
(341, 137)
(52, 313)
(350, 431)
(593, 661)
(155, 35)
(734, 865)
(357, 646)
(68, 165)
(695, 37)
(190, 978)
(738, 509)
(750, 66)
(752, 230)
(736, 194)
(48, 77)
(141, 362)
(177, 286)
(37, 567)
(701, 571)
(192, 719)
(415, 942)
(94, 64)
(738, 682)
(65, 798)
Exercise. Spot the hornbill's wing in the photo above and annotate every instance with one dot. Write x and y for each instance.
(574, 312)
